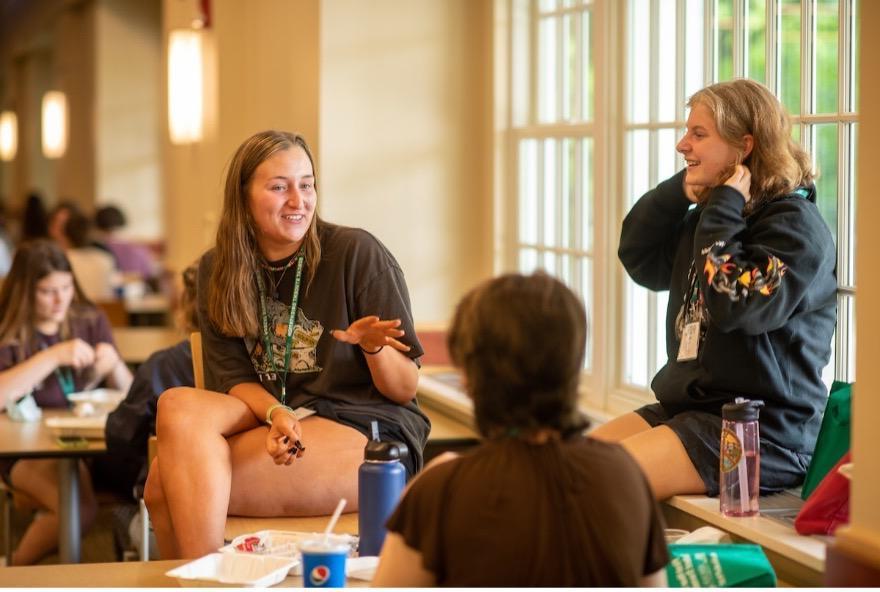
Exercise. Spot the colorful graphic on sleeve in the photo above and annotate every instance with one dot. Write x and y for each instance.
(726, 277)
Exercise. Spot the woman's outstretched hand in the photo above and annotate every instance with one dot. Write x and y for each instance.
(284, 442)
(371, 334)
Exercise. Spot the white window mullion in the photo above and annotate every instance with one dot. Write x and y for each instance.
(808, 57)
(710, 63)
(740, 35)
(771, 46)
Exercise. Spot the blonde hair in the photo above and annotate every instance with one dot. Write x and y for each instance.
(232, 295)
(33, 261)
(778, 165)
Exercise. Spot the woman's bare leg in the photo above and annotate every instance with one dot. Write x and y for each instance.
(39, 480)
(659, 452)
(665, 462)
(194, 477)
(311, 486)
(154, 497)
(210, 476)
(620, 428)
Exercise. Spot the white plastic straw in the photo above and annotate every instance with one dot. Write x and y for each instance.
(744, 498)
(333, 519)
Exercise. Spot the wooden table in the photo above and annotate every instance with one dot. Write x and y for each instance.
(136, 344)
(128, 574)
(35, 440)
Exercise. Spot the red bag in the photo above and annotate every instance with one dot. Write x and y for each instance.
(828, 505)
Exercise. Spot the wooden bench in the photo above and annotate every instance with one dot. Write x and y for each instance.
(798, 560)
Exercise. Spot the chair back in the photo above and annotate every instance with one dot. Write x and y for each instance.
(195, 342)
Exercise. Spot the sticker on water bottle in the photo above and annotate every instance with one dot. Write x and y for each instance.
(731, 450)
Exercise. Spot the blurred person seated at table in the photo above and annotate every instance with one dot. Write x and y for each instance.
(53, 342)
(132, 259)
(537, 503)
(94, 267)
(294, 312)
(34, 219)
(134, 421)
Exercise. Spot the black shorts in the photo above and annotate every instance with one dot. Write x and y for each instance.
(396, 423)
(700, 432)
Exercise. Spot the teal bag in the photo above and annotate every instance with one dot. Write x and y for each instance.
(719, 566)
(833, 440)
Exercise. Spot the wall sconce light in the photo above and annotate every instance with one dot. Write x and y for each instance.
(54, 124)
(185, 90)
(8, 135)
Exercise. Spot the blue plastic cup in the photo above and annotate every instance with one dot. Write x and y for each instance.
(323, 564)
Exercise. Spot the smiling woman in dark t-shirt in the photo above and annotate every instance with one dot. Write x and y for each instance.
(537, 503)
(53, 342)
(294, 312)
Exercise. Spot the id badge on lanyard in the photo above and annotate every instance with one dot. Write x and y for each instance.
(691, 333)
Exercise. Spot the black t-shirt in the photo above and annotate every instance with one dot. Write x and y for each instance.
(566, 513)
(357, 277)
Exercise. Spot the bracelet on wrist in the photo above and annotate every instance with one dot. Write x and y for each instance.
(371, 353)
(273, 408)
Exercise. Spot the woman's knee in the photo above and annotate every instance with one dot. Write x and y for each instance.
(174, 408)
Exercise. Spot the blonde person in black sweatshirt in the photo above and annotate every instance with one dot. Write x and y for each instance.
(750, 266)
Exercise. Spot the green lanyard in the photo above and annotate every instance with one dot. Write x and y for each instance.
(65, 380)
(267, 342)
(64, 377)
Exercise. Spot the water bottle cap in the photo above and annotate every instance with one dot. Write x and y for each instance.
(742, 410)
(385, 451)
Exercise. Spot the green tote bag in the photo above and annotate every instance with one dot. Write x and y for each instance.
(833, 440)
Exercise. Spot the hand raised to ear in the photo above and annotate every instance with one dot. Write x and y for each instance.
(741, 180)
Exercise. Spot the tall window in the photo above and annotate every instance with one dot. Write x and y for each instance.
(554, 141)
(580, 156)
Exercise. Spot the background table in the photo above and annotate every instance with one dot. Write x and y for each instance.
(136, 344)
(35, 440)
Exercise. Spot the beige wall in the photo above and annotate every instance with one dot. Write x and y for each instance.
(128, 73)
(49, 45)
(405, 137)
(262, 73)
(394, 100)
(863, 536)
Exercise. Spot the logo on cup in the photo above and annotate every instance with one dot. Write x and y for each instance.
(319, 575)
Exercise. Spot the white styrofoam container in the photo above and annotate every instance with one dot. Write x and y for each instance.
(233, 569)
(285, 543)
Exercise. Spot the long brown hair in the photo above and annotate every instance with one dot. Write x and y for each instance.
(33, 261)
(520, 341)
(232, 295)
(778, 165)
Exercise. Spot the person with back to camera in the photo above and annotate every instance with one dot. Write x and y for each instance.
(751, 274)
(537, 503)
(53, 342)
(330, 306)
(131, 424)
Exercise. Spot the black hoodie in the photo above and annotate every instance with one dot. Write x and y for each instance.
(767, 283)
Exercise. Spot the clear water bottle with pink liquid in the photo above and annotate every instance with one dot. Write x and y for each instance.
(740, 458)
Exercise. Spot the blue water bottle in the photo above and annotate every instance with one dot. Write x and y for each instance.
(381, 479)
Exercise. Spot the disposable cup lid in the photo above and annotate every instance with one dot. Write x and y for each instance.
(319, 546)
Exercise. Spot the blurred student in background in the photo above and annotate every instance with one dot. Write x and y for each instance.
(132, 259)
(53, 342)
